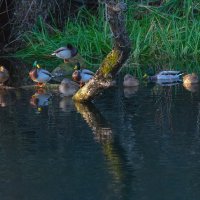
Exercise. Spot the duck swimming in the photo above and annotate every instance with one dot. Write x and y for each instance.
(4, 75)
(190, 79)
(39, 75)
(165, 76)
(81, 75)
(190, 82)
(66, 52)
(130, 81)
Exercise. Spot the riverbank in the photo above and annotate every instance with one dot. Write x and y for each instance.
(166, 32)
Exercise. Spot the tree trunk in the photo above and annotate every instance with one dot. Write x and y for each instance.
(114, 60)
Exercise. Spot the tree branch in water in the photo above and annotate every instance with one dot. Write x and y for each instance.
(114, 60)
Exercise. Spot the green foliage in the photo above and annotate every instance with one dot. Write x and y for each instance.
(170, 31)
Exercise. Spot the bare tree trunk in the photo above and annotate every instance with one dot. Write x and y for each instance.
(114, 60)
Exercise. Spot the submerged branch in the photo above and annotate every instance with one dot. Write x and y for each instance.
(114, 60)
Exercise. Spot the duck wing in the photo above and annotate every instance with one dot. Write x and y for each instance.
(59, 50)
(86, 71)
(43, 71)
(171, 72)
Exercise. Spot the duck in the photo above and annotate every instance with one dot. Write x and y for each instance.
(190, 79)
(81, 76)
(4, 75)
(130, 81)
(165, 76)
(65, 52)
(40, 99)
(39, 75)
(190, 82)
(68, 87)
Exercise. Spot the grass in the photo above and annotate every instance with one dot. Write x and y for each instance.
(168, 33)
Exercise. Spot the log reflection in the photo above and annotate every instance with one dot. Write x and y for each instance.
(103, 133)
(100, 127)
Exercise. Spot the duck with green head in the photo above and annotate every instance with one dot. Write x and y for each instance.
(4, 75)
(65, 52)
(39, 75)
(164, 76)
(81, 75)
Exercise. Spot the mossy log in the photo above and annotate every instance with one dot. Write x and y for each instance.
(47, 86)
(114, 60)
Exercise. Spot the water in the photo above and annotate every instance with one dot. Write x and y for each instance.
(129, 144)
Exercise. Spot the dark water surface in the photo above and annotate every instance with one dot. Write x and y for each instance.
(129, 144)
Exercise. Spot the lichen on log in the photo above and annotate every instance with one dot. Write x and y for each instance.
(114, 60)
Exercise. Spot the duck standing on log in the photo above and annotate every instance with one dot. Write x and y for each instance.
(81, 75)
(39, 75)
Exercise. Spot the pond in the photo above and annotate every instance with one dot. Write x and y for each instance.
(141, 143)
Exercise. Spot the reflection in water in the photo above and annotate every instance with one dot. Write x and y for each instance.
(146, 147)
(104, 135)
(66, 104)
(40, 99)
(7, 97)
(130, 91)
(191, 87)
(95, 120)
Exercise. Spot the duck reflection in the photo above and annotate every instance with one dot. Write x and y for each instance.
(130, 91)
(191, 87)
(66, 104)
(40, 99)
(7, 97)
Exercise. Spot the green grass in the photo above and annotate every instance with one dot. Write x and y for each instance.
(168, 33)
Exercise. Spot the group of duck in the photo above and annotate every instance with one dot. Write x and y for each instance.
(81, 76)
(42, 76)
(164, 78)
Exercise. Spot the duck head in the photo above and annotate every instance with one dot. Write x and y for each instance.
(149, 75)
(73, 50)
(33, 73)
(76, 76)
(77, 66)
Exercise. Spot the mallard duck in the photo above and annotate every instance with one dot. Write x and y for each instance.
(81, 75)
(40, 99)
(68, 87)
(130, 81)
(4, 75)
(190, 79)
(39, 75)
(169, 76)
(66, 52)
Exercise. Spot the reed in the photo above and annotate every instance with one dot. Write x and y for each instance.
(165, 33)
